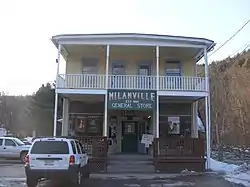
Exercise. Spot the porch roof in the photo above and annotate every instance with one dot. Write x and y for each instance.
(134, 39)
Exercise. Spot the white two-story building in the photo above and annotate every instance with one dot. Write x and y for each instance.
(121, 86)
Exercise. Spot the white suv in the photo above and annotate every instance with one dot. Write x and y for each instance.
(56, 158)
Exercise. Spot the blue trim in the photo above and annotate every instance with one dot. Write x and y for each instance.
(144, 63)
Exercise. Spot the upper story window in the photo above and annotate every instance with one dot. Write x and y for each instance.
(90, 66)
(144, 70)
(118, 69)
(173, 68)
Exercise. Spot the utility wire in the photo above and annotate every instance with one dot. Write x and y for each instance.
(236, 58)
(240, 49)
(230, 38)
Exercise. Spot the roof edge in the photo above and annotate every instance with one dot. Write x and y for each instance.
(128, 35)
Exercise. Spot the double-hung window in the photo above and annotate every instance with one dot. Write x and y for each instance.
(173, 75)
(118, 70)
(90, 71)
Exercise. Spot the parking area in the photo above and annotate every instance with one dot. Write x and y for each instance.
(12, 175)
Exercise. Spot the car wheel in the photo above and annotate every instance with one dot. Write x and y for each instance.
(31, 182)
(22, 156)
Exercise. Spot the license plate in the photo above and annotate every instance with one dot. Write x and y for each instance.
(49, 162)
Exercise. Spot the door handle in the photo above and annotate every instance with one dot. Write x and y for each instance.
(4, 148)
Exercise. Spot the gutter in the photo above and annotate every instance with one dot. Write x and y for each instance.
(209, 49)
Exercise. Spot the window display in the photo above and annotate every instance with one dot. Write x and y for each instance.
(88, 124)
(174, 125)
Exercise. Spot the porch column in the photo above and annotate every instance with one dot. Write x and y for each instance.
(157, 96)
(207, 108)
(194, 128)
(105, 125)
(65, 122)
(56, 94)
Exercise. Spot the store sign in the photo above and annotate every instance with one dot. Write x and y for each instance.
(131, 100)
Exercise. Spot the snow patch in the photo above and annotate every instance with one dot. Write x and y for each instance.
(222, 167)
(233, 173)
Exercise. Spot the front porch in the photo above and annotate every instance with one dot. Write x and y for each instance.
(178, 144)
(171, 155)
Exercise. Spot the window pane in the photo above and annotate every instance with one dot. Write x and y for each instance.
(1, 142)
(73, 147)
(173, 68)
(129, 128)
(118, 69)
(143, 70)
(89, 66)
(78, 148)
(82, 147)
(50, 147)
(9, 143)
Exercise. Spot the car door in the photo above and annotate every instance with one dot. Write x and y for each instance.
(1, 148)
(11, 149)
(80, 154)
(84, 155)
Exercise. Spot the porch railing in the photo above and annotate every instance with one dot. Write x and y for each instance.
(166, 83)
(178, 147)
(182, 83)
(81, 81)
(132, 82)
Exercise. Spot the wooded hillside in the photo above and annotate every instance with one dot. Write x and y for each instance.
(230, 99)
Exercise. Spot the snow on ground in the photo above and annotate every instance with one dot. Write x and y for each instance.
(222, 167)
(233, 173)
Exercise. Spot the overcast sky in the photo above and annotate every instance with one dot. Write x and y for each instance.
(28, 56)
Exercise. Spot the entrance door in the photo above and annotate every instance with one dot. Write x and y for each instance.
(129, 137)
(144, 79)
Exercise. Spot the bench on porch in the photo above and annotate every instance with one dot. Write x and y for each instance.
(175, 154)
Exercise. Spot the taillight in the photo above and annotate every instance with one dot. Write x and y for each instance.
(72, 159)
(27, 160)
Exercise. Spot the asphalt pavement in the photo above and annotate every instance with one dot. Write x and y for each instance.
(12, 175)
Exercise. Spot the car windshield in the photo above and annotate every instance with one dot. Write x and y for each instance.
(19, 142)
(50, 147)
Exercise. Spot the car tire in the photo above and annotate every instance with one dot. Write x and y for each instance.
(22, 156)
(31, 182)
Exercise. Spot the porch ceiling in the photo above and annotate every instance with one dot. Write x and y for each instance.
(178, 99)
(100, 98)
(98, 50)
(85, 98)
(133, 39)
